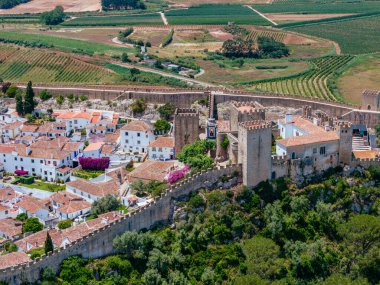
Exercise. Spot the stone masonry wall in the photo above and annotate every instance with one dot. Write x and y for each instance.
(99, 243)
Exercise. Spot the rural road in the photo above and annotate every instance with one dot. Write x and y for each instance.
(163, 17)
(262, 15)
(166, 74)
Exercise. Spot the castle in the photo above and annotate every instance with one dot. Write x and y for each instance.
(304, 145)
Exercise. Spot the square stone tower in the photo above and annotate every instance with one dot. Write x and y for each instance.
(255, 151)
(371, 100)
(186, 127)
(344, 131)
(245, 111)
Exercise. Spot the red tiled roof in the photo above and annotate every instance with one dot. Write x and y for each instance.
(137, 126)
(151, 170)
(12, 259)
(31, 204)
(167, 142)
(99, 189)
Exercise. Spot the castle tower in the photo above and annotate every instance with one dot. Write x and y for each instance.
(344, 131)
(371, 100)
(186, 127)
(245, 111)
(255, 151)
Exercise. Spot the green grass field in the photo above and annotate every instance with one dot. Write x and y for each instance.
(215, 15)
(61, 43)
(125, 20)
(356, 36)
(319, 8)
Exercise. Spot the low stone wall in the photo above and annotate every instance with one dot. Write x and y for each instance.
(99, 243)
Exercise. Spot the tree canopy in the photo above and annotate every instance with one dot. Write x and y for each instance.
(53, 17)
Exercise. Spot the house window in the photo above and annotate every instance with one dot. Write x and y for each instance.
(33, 170)
(138, 134)
(293, 155)
(315, 150)
(138, 142)
(41, 161)
(322, 150)
(32, 160)
(126, 141)
(21, 159)
(15, 158)
(16, 167)
(75, 121)
(153, 149)
(160, 149)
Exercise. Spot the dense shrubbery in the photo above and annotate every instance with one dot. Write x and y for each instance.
(122, 4)
(177, 175)
(265, 47)
(53, 17)
(195, 155)
(273, 234)
(168, 39)
(7, 4)
(89, 163)
(104, 205)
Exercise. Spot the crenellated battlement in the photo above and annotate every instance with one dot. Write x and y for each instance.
(186, 112)
(141, 218)
(279, 158)
(343, 124)
(252, 107)
(255, 125)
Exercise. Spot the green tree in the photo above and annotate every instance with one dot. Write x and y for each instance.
(139, 187)
(60, 99)
(29, 103)
(12, 91)
(64, 224)
(166, 111)
(74, 272)
(138, 106)
(45, 95)
(19, 105)
(162, 125)
(124, 57)
(32, 225)
(49, 246)
(360, 234)
(106, 204)
(53, 17)
(22, 217)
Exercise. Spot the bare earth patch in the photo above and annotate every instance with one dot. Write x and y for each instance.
(301, 17)
(222, 35)
(38, 6)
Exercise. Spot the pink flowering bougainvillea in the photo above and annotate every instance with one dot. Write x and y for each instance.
(21, 172)
(89, 163)
(177, 175)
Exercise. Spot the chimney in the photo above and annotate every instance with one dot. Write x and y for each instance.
(288, 118)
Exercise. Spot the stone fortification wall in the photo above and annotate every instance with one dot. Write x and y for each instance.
(99, 243)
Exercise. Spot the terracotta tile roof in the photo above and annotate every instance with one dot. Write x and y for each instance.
(7, 148)
(13, 126)
(48, 153)
(108, 149)
(64, 169)
(163, 142)
(95, 119)
(7, 193)
(4, 208)
(13, 259)
(363, 154)
(72, 146)
(151, 170)
(10, 227)
(63, 197)
(57, 143)
(305, 125)
(118, 174)
(94, 146)
(99, 189)
(112, 137)
(309, 139)
(137, 126)
(27, 127)
(74, 206)
(31, 204)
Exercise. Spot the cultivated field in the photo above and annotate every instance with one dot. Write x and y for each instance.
(61, 43)
(355, 36)
(320, 8)
(363, 74)
(110, 20)
(313, 82)
(38, 6)
(188, 3)
(215, 15)
(41, 66)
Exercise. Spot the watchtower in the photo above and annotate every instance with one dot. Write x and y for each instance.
(255, 151)
(371, 100)
(186, 127)
(245, 111)
(344, 131)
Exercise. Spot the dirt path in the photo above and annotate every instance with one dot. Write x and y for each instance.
(262, 15)
(163, 17)
(165, 74)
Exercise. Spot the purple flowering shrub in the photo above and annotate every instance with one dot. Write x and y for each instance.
(176, 175)
(89, 163)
